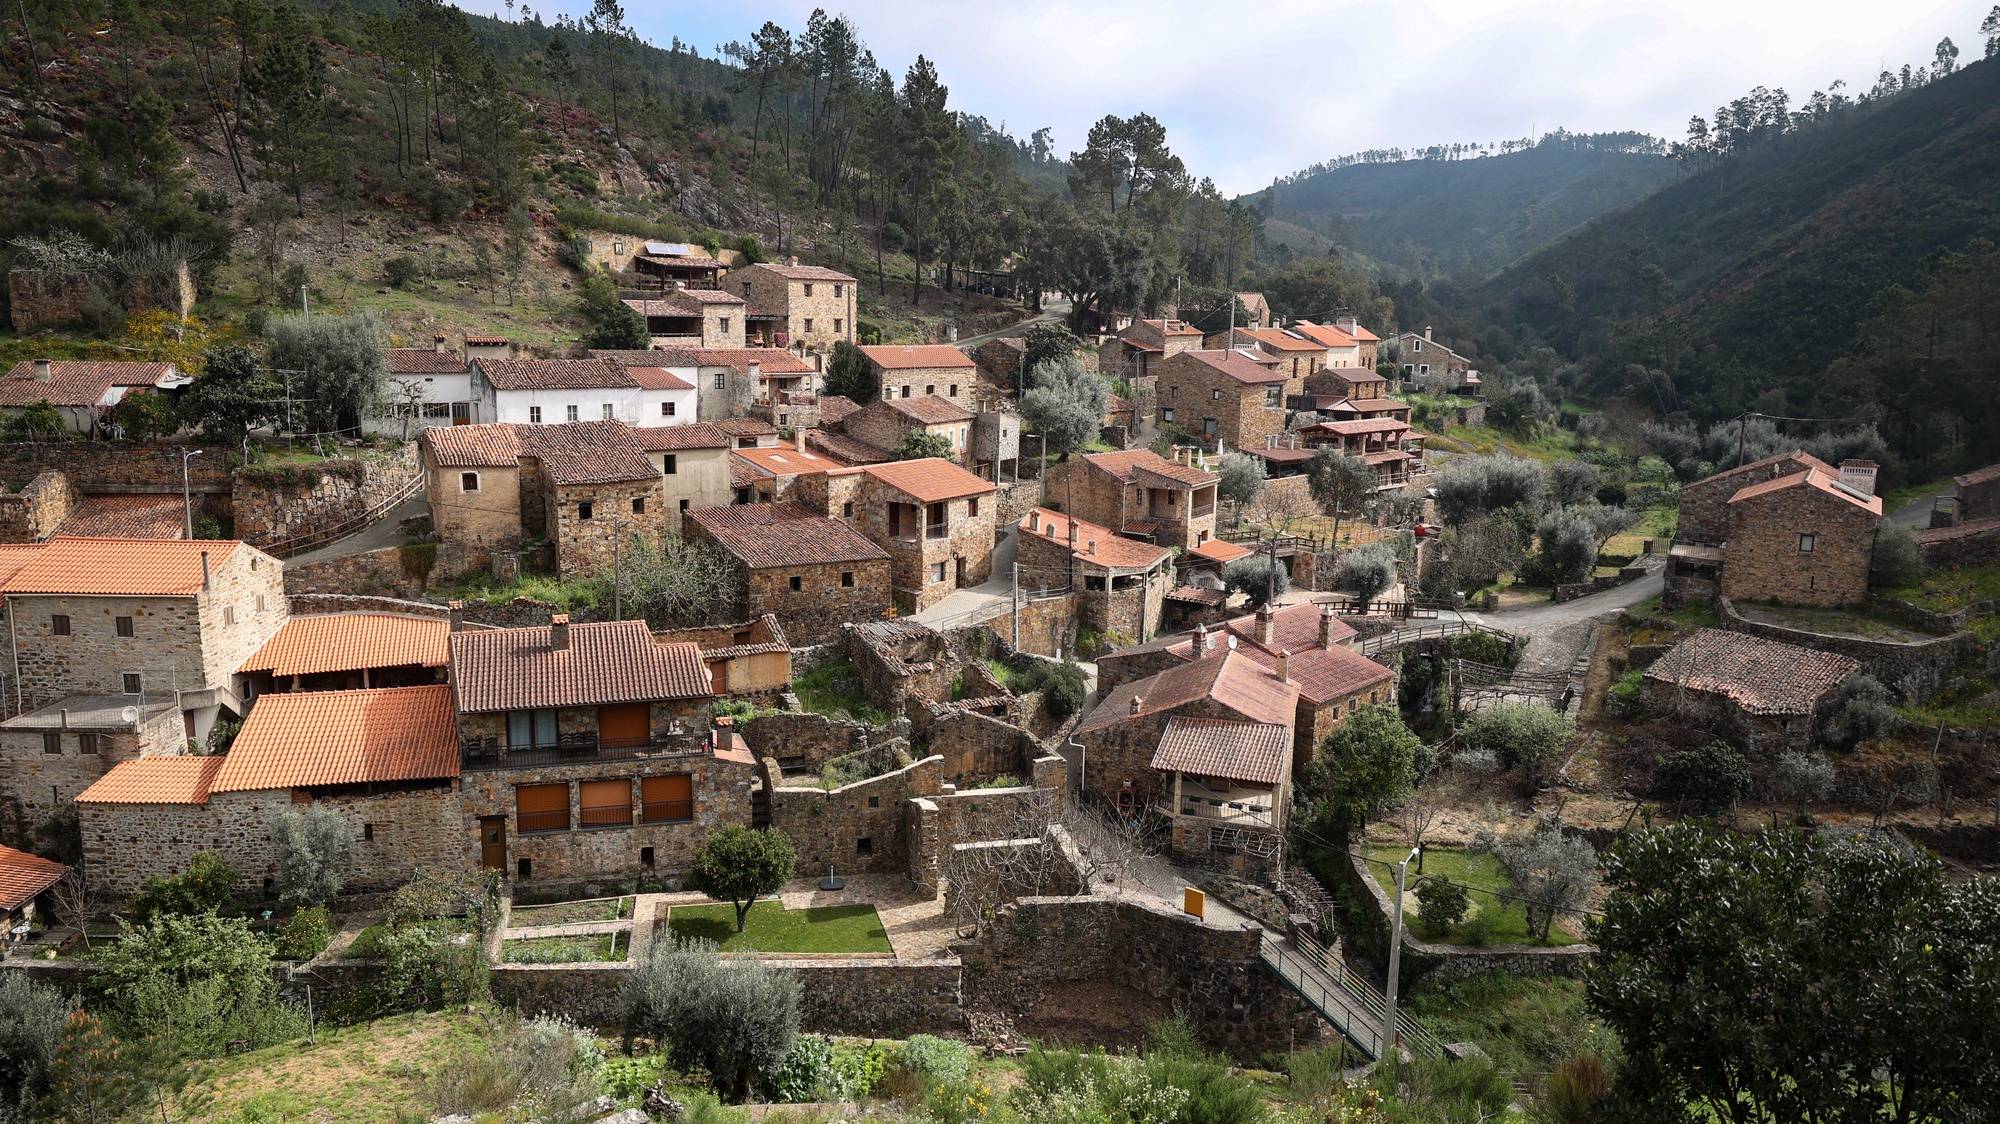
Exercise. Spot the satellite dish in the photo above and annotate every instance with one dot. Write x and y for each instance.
(131, 715)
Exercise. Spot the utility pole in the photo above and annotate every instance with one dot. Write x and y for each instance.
(187, 491)
(1390, 1037)
(1271, 575)
(617, 543)
(1742, 424)
(1017, 606)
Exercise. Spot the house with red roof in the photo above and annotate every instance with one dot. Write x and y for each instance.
(1139, 493)
(1789, 529)
(1223, 399)
(559, 391)
(806, 308)
(24, 878)
(1120, 584)
(427, 386)
(813, 572)
(935, 519)
(83, 392)
(915, 370)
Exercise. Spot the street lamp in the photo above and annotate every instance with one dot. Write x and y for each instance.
(187, 492)
(1389, 1031)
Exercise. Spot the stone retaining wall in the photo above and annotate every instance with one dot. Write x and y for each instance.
(856, 827)
(276, 506)
(1918, 668)
(812, 739)
(33, 513)
(116, 467)
(1968, 544)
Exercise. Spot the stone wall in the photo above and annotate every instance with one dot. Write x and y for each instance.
(1764, 560)
(1044, 623)
(1922, 665)
(977, 748)
(119, 467)
(274, 506)
(809, 740)
(898, 660)
(590, 522)
(1437, 964)
(33, 513)
(36, 784)
(1964, 545)
(856, 827)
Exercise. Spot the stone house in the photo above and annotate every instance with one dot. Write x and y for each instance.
(1384, 442)
(426, 386)
(472, 482)
(1001, 374)
(1226, 791)
(49, 755)
(24, 878)
(1361, 387)
(586, 751)
(83, 391)
(693, 463)
(347, 651)
(936, 520)
(1297, 355)
(677, 264)
(1342, 348)
(693, 318)
(556, 391)
(1225, 399)
(1976, 494)
(885, 423)
(1139, 493)
(1694, 560)
(1257, 308)
(810, 571)
(732, 382)
(1419, 355)
(768, 474)
(1137, 349)
(1765, 695)
(1802, 539)
(812, 307)
(1120, 583)
(914, 370)
(753, 658)
(386, 759)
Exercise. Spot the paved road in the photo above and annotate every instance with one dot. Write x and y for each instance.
(1533, 619)
(1916, 515)
(1051, 310)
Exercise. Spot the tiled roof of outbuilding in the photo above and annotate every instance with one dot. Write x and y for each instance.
(108, 566)
(768, 535)
(605, 662)
(905, 357)
(311, 739)
(1761, 676)
(23, 876)
(1257, 752)
(492, 445)
(328, 642)
(159, 779)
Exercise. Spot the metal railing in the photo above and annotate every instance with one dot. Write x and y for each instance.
(489, 753)
(542, 821)
(1351, 1004)
(606, 815)
(300, 544)
(1435, 631)
(666, 811)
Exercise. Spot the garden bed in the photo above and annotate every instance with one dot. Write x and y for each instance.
(1506, 920)
(834, 690)
(591, 948)
(773, 928)
(570, 913)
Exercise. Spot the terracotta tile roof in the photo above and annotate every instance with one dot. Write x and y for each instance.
(741, 474)
(929, 409)
(1280, 340)
(76, 382)
(23, 876)
(1357, 426)
(1198, 595)
(553, 374)
(1974, 529)
(671, 438)
(606, 662)
(1761, 676)
(684, 302)
(905, 357)
(425, 361)
(930, 480)
(769, 360)
(487, 341)
(844, 449)
(1121, 465)
(804, 272)
(126, 517)
(658, 378)
(1364, 335)
(1229, 679)
(1369, 405)
(1325, 335)
(1815, 479)
(13, 556)
(349, 642)
(1352, 376)
(745, 427)
(1218, 550)
(310, 739)
(161, 779)
(1238, 366)
(1281, 454)
(685, 261)
(110, 566)
(834, 409)
(494, 444)
(1095, 545)
(767, 535)
(1797, 460)
(782, 460)
(656, 357)
(1294, 628)
(1165, 327)
(1390, 457)
(586, 452)
(1256, 752)
(1978, 476)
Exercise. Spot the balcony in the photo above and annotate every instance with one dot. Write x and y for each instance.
(493, 753)
(666, 811)
(605, 815)
(526, 822)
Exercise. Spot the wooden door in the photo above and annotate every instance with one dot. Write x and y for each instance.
(493, 842)
(629, 724)
(718, 677)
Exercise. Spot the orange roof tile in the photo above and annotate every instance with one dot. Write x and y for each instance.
(769, 360)
(1229, 679)
(349, 642)
(904, 357)
(492, 445)
(126, 517)
(605, 662)
(13, 556)
(22, 876)
(673, 438)
(308, 739)
(1095, 544)
(76, 382)
(162, 779)
(114, 567)
(1279, 339)
(658, 378)
(1811, 478)
(803, 272)
(929, 409)
(766, 535)
(1257, 752)
(1122, 465)
(930, 480)
(425, 361)
(1236, 365)
(782, 460)
(1218, 550)
(1325, 335)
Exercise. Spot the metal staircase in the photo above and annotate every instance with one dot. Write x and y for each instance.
(1348, 1003)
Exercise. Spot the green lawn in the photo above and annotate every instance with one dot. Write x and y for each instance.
(1526, 1024)
(1946, 591)
(370, 1072)
(833, 689)
(773, 928)
(1483, 875)
(1858, 621)
(596, 948)
(566, 913)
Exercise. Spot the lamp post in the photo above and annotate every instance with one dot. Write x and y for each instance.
(187, 492)
(1390, 1036)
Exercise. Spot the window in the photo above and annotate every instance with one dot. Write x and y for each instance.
(847, 510)
(605, 803)
(723, 323)
(51, 742)
(1174, 392)
(847, 579)
(132, 683)
(1416, 344)
(721, 378)
(1167, 414)
(672, 466)
(1215, 396)
(569, 412)
(809, 323)
(930, 388)
(638, 505)
(684, 505)
(937, 571)
(1271, 396)
(1806, 543)
(809, 290)
(531, 729)
(59, 624)
(260, 602)
(839, 290)
(468, 481)
(534, 415)
(864, 846)
(666, 799)
(954, 390)
(229, 614)
(646, 857)
(906, 391)
(368, 833)
(666, 409)
(122, 625)
(1208, 426)
(607, 411)
(972, 506)
(618, 247)
(86, 743)
(437, 409)
(524, 868)
(542, 807)
(836, 325)
(796, 583)
(584, 509)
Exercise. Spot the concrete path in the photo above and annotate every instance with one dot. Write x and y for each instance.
(980, 602)
(386, 531)
(1530, 620)
(1916, 515)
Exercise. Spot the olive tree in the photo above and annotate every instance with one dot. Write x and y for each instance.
(1341, 484)
(739, 865)
(1064, 403)
(1242, 479)
(734, 1020)
(1554, 872)
(315, 847)
(339, 360)
(1368, 571)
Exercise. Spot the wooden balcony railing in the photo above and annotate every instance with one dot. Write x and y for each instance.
(606, 815)
(493, 753)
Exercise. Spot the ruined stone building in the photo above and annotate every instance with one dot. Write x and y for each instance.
(936, 520)
(810, 571)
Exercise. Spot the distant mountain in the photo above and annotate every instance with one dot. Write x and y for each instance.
(1436, 218)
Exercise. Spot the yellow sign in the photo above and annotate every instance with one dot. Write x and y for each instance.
(1194, 901)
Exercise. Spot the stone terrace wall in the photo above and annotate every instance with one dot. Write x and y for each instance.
(1439, 963)
(812, 739)
(101, 467)
(276, 505)
(978, 747)
(1968, 544)
(33, 513)
(1923, 666)
(829, 828)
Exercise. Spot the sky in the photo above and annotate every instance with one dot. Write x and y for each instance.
(1254, 92)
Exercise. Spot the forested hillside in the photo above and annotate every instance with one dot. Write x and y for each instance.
(1447, 214)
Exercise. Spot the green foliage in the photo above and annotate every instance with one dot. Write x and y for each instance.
(37, 421)
(932, 1062)
(1366, 764)
(231, 397)
(849, 375)
(1710, 779)
(343, 361)
(1341, 484)
(1050, 342)
(542, 1068)
(1895, 561)
(627, 1078)
(1242, 478)
(1802, 780)
(1492, 649)
(1470, 487)
(400, 270)
(304, 934)
(1861, 709)
(205, 886)
(833, 689)
(1177, 1085)
(199, 982)
(734, 1020)
(589, 218)
(1575, 1091)
(1441, 904)
(607, 321)
(426, 967)
(805, 1073)
(1554, 871)
(739, 865)
(95, 1077)
(1782, 975)
(1525, 736)
(1366, 571)
(1256, 578)
(1627, 697)
(1065, 404)
(1063, 687)
(314, 848)
(676, 583)
(32, 1018)
(146, 417)
(918, 445)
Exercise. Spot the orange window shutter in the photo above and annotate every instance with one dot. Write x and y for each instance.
(542, 798)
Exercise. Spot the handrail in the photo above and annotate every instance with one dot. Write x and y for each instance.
(300, 544)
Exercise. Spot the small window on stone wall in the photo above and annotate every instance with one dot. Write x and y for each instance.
(874, 802)
(847, 578)
(864, 846)
(638, 505)
(368, 833)
(524, 868)
(583, 510)
(229, 614)
(646, 857)
(796, 583)
(86, 743)
(123, 625)
(133, 684)
(59, 624)
(51, 742)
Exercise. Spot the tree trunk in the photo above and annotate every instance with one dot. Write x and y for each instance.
(743, 912)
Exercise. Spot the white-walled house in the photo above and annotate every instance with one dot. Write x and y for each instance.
(426, 386)
(553, 391)
(83, 391)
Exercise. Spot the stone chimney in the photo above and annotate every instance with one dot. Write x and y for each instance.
(1093, 547)
(559, 632)
(720, 733)
(1267, 626)
(1284, 665)
(1346, 323)
(204, 569)
(1137, 702)
(792, 260)
(755, 372)
(1427, 333)
(438, 344)
(1200, 640)
(1859, 475)
(45, 371)
(455, 612)
(1326, 622)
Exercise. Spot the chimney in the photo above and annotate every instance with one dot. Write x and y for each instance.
(204, 569)
(756, 372)
(559, 632)
(455, 612)
(1284, 665)
(1427, 333)
(437, 343)
(1137, 702)
(45, 371)
(719, 734)
(1326, 622)
(1347, 324)
(1093, 547)
(1200, 640)
(1859, 475)
(1267, 626)
(792, 260)
(799, 440)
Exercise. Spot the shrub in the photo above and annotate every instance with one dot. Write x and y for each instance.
(1895, 561)
(428, 967)
(734, 1020)
(544, 1068)
(1441, 904)
(1253, 576)
(1860, 710)
(1711, 779)
(205, 886)
(314, 848)
(1482, 930)
(1525, 736)
(32, 1015)
(146, 417)
(805, 1073)
(1366, 571)
(1062, 685)
(200, 982)
(625, 1078)
(399, 271)
(1575, 1091)
(304, 934)
(934, 1061)
(1802, 780)
(1627, 696)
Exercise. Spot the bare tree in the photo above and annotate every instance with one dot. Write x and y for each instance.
(1043, 846)
(74, 903)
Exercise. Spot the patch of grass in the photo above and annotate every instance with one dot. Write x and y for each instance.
(569, 913)
(571, 596)
(1898, 497)
(1526, 1024)
(595, 948)
(1947, 591)
(1012, 678)
(1549, 444)
(773, 928)
(368, 1072)
(1480, 873)
(834, 690)
(1973, 706)
(1840, 622)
